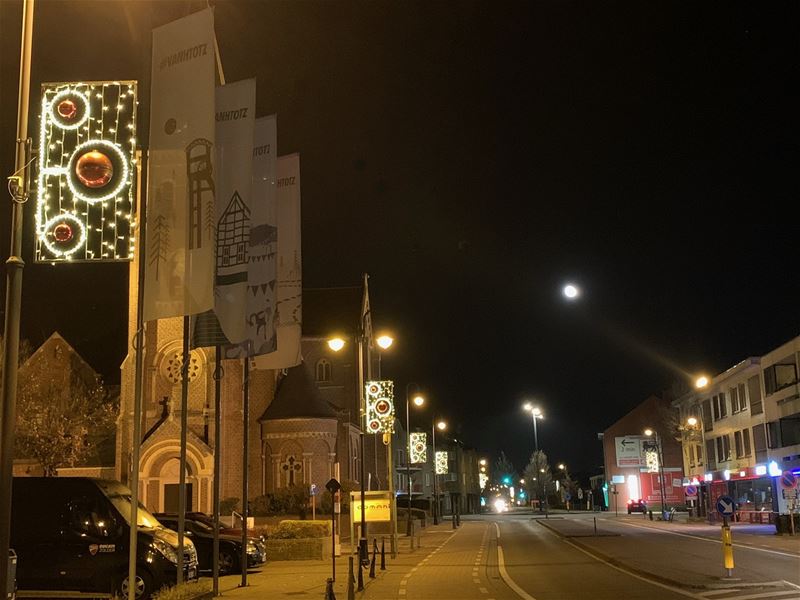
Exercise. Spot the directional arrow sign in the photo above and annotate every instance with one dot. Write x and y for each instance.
(626, 442)
(725, 506)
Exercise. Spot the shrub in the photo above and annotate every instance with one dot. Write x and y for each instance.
(293, 530)
(185, 591)
(228, 505)
(326, 502)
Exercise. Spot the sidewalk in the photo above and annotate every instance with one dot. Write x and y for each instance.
(308, 578)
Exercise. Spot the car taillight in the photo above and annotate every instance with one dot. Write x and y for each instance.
(630, 501)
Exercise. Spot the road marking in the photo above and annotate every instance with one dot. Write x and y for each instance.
(504, 574)
(767, 595)
(483, 590)
(699, 537)
(719, 592)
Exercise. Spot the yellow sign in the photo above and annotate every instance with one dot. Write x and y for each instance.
(375, 510)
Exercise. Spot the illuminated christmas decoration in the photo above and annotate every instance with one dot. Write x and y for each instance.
(380, 406)
(651, 459)
(483, 479)
(441, 463)
(419, 449)
(86, 184)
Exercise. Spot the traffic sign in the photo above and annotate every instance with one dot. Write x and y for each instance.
(691, 490)
(725, 506)
(313, 489)
(333, 486)
(788, 480)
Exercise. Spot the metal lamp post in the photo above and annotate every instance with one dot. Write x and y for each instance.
(441, 425)
(654, 434)
(419, 401)
(536, 413)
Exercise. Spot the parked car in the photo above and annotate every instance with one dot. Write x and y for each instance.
(637, 506)
(209, 520)
(73, 534)
(230, 546)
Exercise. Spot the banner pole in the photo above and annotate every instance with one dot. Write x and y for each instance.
(217, 462)
(245, 444)
(184, 425)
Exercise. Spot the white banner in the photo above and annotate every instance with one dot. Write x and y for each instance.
(179, 250)
(262, 258)
(235, 109)
(288, 316)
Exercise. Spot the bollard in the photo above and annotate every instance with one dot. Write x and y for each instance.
(454, 520)
(595, 524)
(329, 594)
(360, 587)
(351, 594)
(727, 547)
(374, 557)
(383, 554)
(650, 512)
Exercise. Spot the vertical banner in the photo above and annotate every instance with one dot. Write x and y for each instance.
(288, 317)
(235, 123)
(441, 463)
(86, 172)
(179, 250)
(263, 250)
(419, 448)
(380, 406)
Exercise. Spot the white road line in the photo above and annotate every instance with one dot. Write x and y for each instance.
(504, 574)
(483, 590)
(768, 595)
(705, 539)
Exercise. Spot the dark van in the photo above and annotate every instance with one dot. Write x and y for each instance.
(73, 534)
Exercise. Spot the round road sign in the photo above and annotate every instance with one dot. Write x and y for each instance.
(725, 506)
(788, 480)
(691, 490)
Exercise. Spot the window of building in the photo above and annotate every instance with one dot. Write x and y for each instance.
(707, 423)
(720, 406)
(241, 253)
(746, 440)
(754, 390)
(712, 464)
(723, 448)
(742, 397)
(780, 375)
(323, 370)
(737, 442)
(760, 442)
(699, 453)
(716, 409)
(790, 430)
(733, 393)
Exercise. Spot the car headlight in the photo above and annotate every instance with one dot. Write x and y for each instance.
(252, 548)
(166, 550)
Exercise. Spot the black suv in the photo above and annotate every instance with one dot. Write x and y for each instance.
(73, 534)
(200, 530)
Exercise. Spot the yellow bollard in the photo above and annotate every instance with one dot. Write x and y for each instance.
(727, 547)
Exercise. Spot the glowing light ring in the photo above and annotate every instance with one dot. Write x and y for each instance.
(78, 189)
(57, 119)
(379, 406)
(77, 239)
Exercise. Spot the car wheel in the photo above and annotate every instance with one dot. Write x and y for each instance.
(144, 586)
(228, 562)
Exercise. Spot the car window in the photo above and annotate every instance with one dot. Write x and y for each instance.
(89, 518)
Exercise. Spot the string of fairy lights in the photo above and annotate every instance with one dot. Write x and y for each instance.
(86, 175)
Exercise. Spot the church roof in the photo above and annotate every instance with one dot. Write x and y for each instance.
(297, 397)
(328, 311)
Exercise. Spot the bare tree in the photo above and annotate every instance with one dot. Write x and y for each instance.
(538, 476)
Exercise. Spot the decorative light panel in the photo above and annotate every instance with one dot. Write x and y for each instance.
(418, 451)
(441, 463)
(380, 406)
(86, 173)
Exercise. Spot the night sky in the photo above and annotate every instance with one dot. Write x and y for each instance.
(474, 156)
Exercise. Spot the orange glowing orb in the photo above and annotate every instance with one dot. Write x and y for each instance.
(94, 169)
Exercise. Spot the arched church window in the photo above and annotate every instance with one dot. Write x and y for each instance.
(292, 471)
(323, 370)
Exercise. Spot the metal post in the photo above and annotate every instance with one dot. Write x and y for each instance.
(245, 464)
(138, 347)
(182, 465)
(408, 459)
(435, 494)
(362, 545)
(661, 477)
(535, 433)
(218, 373)
(14, 267)
(333, 541)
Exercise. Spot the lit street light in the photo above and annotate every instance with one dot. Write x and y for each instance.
(536, 414)
(441, 425)
(571, 291)
(418, 400)
(654, 434)
(701, 382)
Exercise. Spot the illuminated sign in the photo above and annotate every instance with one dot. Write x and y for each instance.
(483, 478)
(441, 463)
(380, 406)
(375, 509)
(86, 176)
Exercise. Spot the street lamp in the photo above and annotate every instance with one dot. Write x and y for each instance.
(418, 400)
(654, 434)
(536, 413)
(336, 344)
(701, 382)
(571, 291)
(441, 425)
